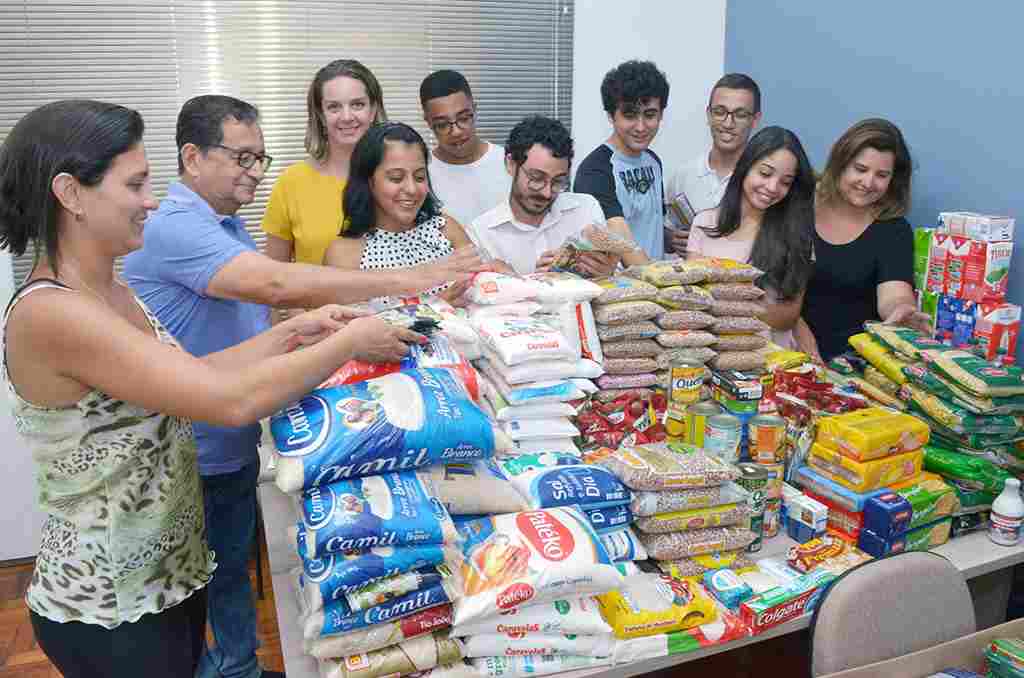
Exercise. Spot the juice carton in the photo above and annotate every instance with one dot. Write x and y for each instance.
(996, 328)
(954, 223)
(938, 257)
(986, 270)
(988, 228)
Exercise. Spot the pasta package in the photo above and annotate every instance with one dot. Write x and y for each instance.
(648, 503)
(959, 419)
(872, 433)
(879, 356)
(975, 374)
(378, 426)
(651, 604)
(867, 475)
(907, 343)
(419, 654)
(947, 390)
(530, 557)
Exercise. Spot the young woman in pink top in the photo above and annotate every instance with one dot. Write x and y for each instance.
(766, 218)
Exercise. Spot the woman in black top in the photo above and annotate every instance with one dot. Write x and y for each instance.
(862, 244)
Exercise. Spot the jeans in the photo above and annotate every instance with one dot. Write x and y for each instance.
(230, 501)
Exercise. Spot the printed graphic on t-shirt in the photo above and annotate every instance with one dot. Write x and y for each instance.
(637, 180)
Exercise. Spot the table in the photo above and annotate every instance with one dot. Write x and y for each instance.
(984, 564)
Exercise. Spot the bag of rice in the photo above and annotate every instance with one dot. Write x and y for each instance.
(476, 312)
(497, 288)
(412, 656)
(530, 557)
(735, 291)
(684, 320)
(547, 445)
(538, 429)
(608, 519)
(659, 466)
(638, 348)
(530, 666)
(377, 426)
(578, 616)
(530, 394)
(576, 322)
(503, 645)
(549, 479)
(381, 635)
(616, 381)
(677, 545)
(648, 503)
(633, 331)
(624, 546)
(629, 365)
(975, 374)
(474, 488)
(559, 287)
(686, 339)
(695, 518)
(505, 412)
(740, 342)
(728, 270)
(625, 312)
(335, 617)
(674, 355)
(738, 325)
(740, 360)
(520, 340)
(359, 514)
(651, 604)
(726, 307)
(621, 288)
(543, 370)
(685, 297)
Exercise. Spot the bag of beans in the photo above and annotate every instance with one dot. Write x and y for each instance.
(629, 365)
(726, 307)
(734, 325)
(674, 355)
(739, 342)
(636, 330)
(735, 291)
(728, 271)
(686, 339)
(625, 312)
(638, 348)
(684, 320)
(685, 297)
(622, 288)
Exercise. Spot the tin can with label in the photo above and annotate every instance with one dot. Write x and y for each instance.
(767, 436)
(696, 416)
(776, 476)
(754, 479)
(687, 379)
(772, 516)
(722, 434)
(676, 424)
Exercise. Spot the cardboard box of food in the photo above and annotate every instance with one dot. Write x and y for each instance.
(996, 328)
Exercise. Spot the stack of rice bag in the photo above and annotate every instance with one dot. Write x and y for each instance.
(366, 464)
(685, 505)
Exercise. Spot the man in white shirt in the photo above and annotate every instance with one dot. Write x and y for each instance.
(734, 111)
(537, 214)
(467, 173)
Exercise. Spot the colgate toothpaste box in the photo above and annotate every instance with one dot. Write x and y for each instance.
(996, 328)
(786, 602)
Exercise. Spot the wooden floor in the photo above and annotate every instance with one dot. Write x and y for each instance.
(20, 657)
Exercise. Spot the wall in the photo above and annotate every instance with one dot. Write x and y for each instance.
(20, 521)
(685, 40)
(947, 78)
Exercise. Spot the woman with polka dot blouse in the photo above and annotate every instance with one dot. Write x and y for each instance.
(394, 220)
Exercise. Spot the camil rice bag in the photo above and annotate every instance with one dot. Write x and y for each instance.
(530, 557)
(552, 479)
(579, 616)
(518, 340)
(336, 617)
(383, 635)
(394, 509)
(378, 426)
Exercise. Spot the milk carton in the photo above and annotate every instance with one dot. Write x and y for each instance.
(996, 328)
(938, 259)
(988, 228)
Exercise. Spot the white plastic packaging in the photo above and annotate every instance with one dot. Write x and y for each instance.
(517, 340)
(1007, 515)
(495, 644)
(497, 288)
(580, 616)
(534, 429)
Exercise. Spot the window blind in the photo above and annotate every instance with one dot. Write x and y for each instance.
(153, 55)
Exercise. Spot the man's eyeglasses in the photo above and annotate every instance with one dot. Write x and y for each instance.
(247, 159)
(721, 113)
(536, 181)
(463, 121)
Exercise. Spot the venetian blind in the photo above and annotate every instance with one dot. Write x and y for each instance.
(153, 55)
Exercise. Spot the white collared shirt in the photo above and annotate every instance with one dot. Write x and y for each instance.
(520, 245)
(701, 184)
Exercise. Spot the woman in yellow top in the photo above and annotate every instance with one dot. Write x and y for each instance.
(305, 212)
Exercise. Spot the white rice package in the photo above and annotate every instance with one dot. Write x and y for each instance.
(554, 288)
(377, 426)
(576, 321)
(498, 645)
(337, 618)
(533, 429)
(550, 479)
(517, 340)
(477, 312)
(624, 545)
(555, 391)
(505, 412)
(474, 488)
(544, 370)
(547, 445)
(529, 666)
(530, 557)
(381, 635)
(579, 616)
(497, 288)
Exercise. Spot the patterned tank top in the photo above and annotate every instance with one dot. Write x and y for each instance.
(125, 532)
(423, 243)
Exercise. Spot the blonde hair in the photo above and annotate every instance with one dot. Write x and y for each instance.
(885, 137)
(316, 128)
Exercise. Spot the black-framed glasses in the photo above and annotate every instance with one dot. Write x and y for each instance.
(721, 113)
(463, 121)
(247, 159)
(536, 181)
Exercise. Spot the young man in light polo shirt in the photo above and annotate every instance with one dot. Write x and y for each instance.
(623, 173)
(533, 221)
(734, 111)
(466, 172)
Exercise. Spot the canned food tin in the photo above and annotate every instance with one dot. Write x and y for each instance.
(772, 510)
(676, 424)
(776, 476)
(757, 527)
(722, 433)
(696, 416)
(687, 379)
(767, 436)
(754, 479)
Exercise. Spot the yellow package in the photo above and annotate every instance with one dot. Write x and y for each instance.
(652, 604)
(864, 476)
(879, 356)
(872, 433)
(695, 519)
(738, 561)
(779, 358)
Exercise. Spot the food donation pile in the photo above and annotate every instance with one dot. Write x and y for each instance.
(575, 473)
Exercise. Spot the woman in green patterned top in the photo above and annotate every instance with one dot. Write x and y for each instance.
(103, 398)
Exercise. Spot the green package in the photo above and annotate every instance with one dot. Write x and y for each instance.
(905, 342)
(972, 440)
(959, 419)
(931, 499)
(922, 246)
(976, 374)
(972, 499)
(941, 387)
(928, 303)
(928, 536)
(968, 471)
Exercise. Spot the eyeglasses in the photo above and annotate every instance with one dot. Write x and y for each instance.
(721, 113)
(446, 126)
(536, 181)
(247, 159)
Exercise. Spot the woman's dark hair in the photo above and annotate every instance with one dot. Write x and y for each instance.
(883, 136)
(537, 129)
(316, 128)
(631, 83)
(357, 202)
(76, 137)
(782, 248)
